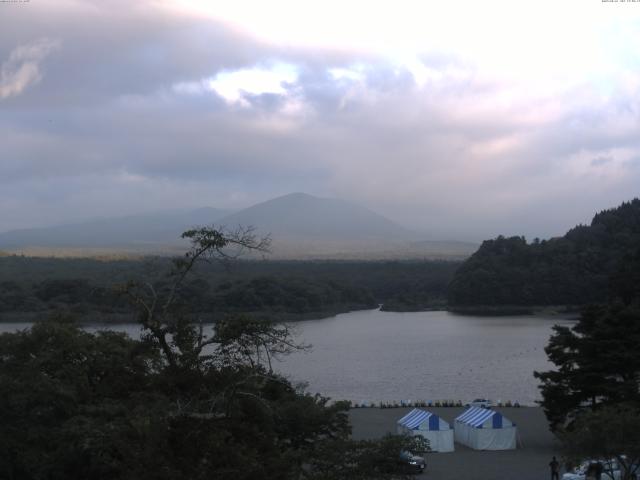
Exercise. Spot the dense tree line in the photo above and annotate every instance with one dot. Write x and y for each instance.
(288, 288)
(575, 269)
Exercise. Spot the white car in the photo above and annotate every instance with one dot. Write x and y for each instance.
(610, 467)
(481, 402)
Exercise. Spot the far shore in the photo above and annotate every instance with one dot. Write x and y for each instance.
(508, 310)
(123, 318)
(120, 318)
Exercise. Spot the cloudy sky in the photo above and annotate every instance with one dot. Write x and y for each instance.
(463, 119)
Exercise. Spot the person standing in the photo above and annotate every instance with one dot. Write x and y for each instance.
(598, 470)
(555, 469)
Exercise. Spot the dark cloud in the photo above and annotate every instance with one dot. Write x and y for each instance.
(109, 49)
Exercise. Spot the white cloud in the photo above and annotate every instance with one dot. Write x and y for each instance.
(22, 69)
(352, 74)
(233, 85)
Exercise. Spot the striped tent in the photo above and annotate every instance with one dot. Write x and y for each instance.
(429, 426)
(485, 429)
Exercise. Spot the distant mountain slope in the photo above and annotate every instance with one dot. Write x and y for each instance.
(572, 270)
(135, 231)
(306, 227)
(299, 215)
(301, 227)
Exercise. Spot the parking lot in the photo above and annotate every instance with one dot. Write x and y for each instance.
(536, 445)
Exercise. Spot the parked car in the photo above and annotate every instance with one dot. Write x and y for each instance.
(412, 463)
(481, 402)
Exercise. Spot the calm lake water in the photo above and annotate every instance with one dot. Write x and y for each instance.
(383, 356)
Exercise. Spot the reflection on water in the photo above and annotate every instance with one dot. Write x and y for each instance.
(373, 355)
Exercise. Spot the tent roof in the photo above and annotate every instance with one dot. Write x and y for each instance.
(476, 416)
(415, 418)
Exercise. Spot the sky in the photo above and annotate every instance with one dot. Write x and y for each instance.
(463, 120)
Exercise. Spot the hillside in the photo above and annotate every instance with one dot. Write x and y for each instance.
(299, 215)
(301, 227)
(134, 233)
(575, 269)
(306, 227)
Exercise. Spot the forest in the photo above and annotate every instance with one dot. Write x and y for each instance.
(288, 290)
(573, 270)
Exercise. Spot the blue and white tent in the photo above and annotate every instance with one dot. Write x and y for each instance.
(485, 429)
(430, 426)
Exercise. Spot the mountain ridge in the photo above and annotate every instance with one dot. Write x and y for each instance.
(152, 228)
(301, 226)
(291, 214)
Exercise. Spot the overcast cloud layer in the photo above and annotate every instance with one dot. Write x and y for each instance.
(467, 125)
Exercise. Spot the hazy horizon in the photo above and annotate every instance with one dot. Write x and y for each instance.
(463, 121)
(223, 213)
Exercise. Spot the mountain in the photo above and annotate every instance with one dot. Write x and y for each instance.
(579, 268)
(305, 216)
(301, 226)
(137, 232)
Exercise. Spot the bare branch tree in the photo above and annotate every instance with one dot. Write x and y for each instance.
(207, 244)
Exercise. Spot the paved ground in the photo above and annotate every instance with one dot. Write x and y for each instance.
(536, 446)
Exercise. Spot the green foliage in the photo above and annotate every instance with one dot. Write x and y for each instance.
(272, 288)
(273, 294)
(181, 403)
(625, 282)
(363, 459)
(67, 398)
(592, 398)
(570, 270)
(612, 432)
(79, 405)
(597, 363)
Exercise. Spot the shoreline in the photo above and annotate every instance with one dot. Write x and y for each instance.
(516, 310)
(123, 318)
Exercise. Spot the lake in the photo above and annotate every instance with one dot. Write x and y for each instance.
(377, 356)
